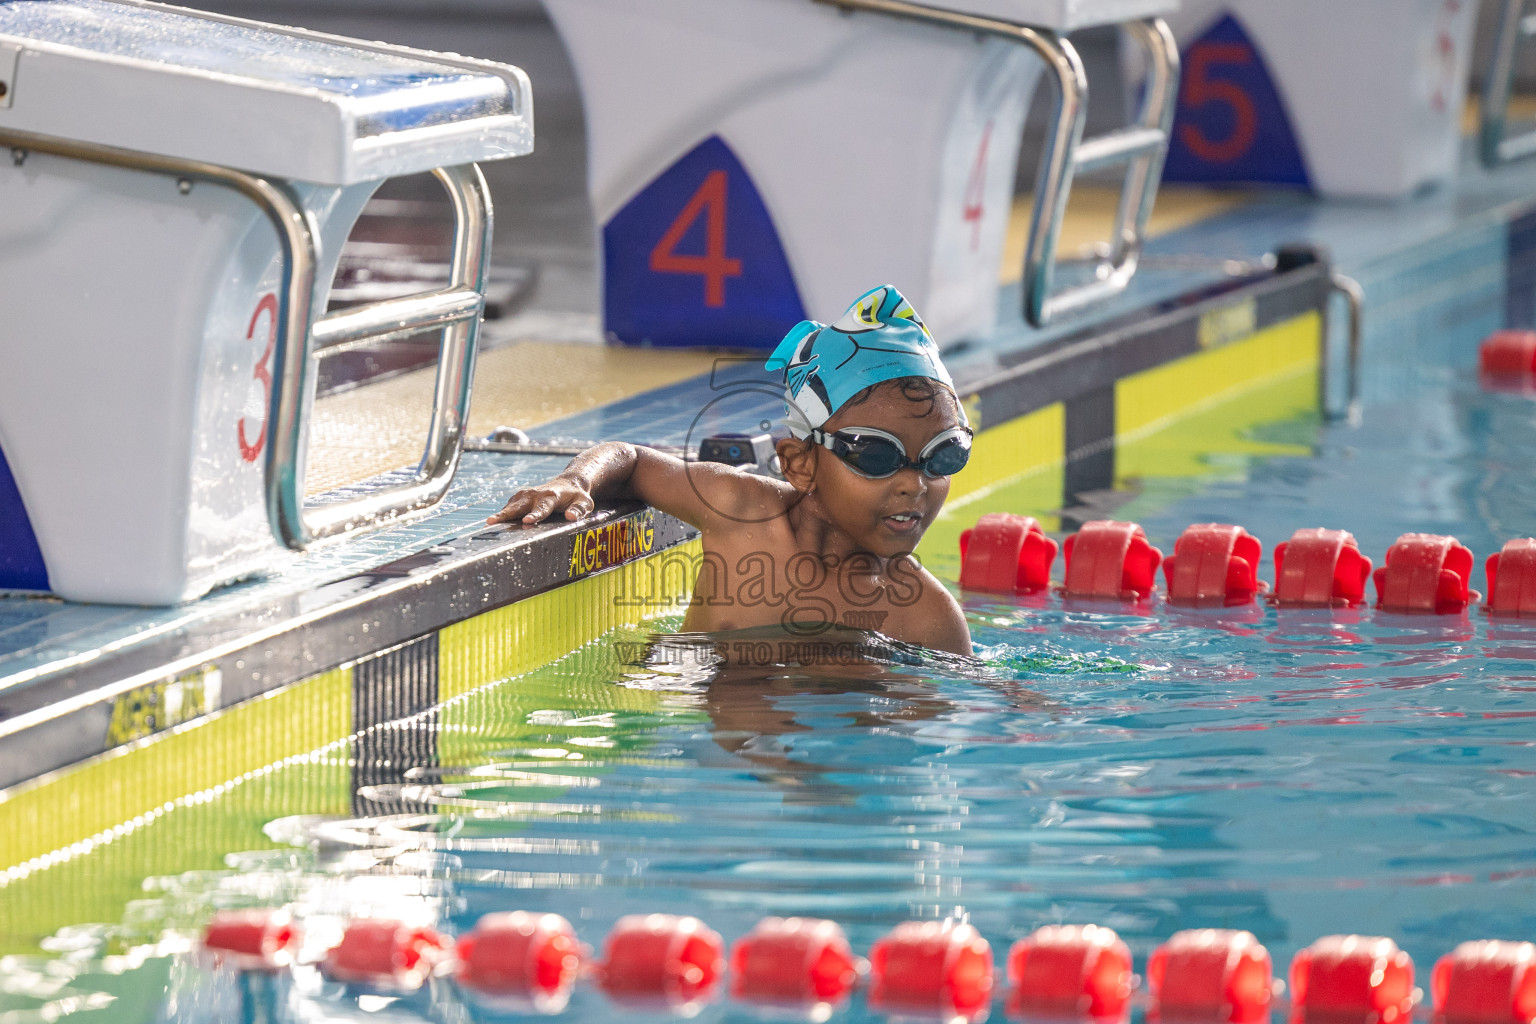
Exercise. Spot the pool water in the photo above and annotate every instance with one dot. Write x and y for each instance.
(1295, 773)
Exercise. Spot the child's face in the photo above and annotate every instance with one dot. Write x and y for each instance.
(866, 509)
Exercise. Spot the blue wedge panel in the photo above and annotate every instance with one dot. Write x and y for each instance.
(21, 561)
(694, 260)
(1231, 124)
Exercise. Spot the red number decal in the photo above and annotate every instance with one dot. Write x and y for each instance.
(976, 190)
(251, 450)
(1200, 89)
(715, 266)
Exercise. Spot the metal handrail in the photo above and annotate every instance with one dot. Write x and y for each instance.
(456, 310)
(400, 317)
(1515, 27)
(293, 524)
(1354, 297)
(1142, 147)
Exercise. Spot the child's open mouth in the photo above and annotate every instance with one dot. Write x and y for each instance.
(903, 522)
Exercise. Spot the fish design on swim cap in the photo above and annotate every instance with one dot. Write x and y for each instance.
(879, 338)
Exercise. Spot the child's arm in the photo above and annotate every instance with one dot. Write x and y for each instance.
(695, 492)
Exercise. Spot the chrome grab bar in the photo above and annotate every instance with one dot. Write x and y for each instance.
(399, 317)
(1142, 147)
(1515, 27)
(455, 310)
(1118, 147)
(1354, 297)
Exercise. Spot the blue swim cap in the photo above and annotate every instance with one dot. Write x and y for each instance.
(879, 338)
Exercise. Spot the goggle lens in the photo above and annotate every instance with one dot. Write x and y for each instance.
(876, 456)
(949, 459)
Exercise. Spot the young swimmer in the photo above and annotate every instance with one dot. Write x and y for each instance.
(876, 431)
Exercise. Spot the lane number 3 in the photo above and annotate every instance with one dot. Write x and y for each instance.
(250, 451)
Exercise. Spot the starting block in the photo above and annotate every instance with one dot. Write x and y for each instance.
(1348, 99)
(177, 190)
(753, 162)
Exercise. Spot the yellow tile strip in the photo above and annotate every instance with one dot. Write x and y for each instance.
(60, 816)
(1169, 421)
(520, 637)
(1009, 452)
(75, 845)
(1149, 401)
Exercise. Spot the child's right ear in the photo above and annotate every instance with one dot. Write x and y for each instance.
(797, 461)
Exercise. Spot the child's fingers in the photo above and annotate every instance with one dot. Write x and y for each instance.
(514, 509)
(540, 509)
(535, 504)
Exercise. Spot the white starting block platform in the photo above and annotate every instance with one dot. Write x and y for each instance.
(177, 191)
(282, 102)
(1057, 15)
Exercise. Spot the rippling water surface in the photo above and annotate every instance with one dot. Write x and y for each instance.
(1295, 774)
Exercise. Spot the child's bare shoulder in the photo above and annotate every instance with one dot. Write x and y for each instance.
(933, 618)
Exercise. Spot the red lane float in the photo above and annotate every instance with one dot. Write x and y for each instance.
(1354, 978)
(1110, 559)
(1006, 554)
(1504, 355)
(1070, 970)
(932, 967)
(1512, 578)
(661, 958)
(1213, 563)
(1487, 982)
(1425, 572)
(1211, 974)
(385, 954)
(527, 959)
(252, 940)
(793, 961)
(1320, 568)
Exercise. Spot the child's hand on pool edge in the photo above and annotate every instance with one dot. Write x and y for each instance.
(533, 505)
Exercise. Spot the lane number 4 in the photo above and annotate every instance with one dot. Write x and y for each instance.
(714, 266)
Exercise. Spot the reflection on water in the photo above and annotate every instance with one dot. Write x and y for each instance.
(1291, 773)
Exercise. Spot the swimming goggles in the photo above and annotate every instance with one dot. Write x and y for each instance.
(875, 454)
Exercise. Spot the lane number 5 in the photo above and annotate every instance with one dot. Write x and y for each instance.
(1200, 90)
